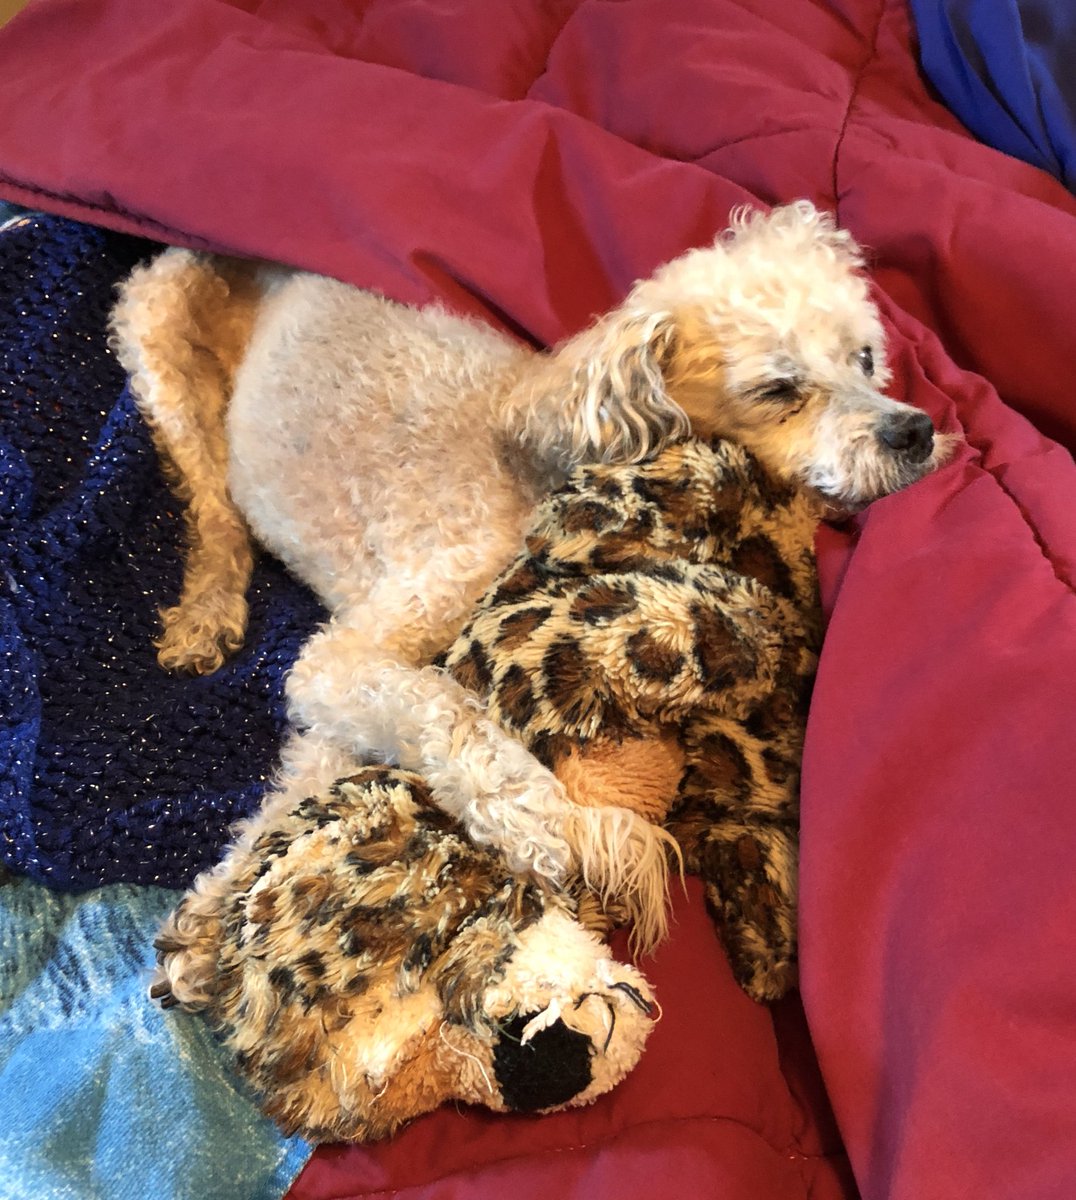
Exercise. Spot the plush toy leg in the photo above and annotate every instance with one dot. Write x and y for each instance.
(755, 904)
(737, 821)
(750, 878)
(640, 773)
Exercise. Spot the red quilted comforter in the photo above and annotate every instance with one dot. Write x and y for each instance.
(526, 162)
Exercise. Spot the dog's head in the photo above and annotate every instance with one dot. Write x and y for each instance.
(769, 338)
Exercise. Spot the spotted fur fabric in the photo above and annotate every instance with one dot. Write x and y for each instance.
(366, 963)
(673, 599)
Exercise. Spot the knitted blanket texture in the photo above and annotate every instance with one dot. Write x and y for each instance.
(110, 770)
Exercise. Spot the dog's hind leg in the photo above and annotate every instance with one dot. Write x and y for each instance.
(180, 328)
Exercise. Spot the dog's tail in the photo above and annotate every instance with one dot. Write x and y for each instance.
(180, 328)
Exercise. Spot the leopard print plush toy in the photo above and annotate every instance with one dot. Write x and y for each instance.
(655, 645)
(366, 963)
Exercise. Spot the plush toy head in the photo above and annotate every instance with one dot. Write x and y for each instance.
(654, 645)
(366, 963)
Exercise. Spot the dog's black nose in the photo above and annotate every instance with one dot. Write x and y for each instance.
(911, 433)
(550, 1069)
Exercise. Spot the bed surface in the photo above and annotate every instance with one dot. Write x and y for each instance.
(525, 165)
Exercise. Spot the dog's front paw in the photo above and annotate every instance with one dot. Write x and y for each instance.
(503, 797)
(198, 636)
(625, 860)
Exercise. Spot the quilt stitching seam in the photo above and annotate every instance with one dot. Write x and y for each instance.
(853, 96)
(136, 218)
(399, 1190)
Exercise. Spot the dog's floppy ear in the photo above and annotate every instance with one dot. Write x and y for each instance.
(602, 396)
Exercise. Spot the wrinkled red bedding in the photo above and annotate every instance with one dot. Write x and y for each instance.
(525, 163)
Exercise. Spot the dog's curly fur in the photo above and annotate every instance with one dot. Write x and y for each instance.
(391, 458)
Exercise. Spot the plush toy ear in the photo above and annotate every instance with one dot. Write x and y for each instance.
(640, 772)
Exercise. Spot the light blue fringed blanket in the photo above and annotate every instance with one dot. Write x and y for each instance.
(103, 1096)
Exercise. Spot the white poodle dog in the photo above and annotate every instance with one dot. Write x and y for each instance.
(391, 457)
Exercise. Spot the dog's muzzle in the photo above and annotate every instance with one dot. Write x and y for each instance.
(910, 435)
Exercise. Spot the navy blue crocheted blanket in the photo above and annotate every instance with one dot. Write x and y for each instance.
(110, 769)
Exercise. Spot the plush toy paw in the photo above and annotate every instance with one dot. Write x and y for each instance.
(367, 963)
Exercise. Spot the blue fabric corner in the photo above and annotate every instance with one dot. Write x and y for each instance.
(1007, 69)
(105, 1097)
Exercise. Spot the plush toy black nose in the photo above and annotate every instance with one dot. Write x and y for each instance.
(912, 434)
(550, 1069)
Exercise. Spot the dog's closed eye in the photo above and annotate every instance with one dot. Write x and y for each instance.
(780, 391)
